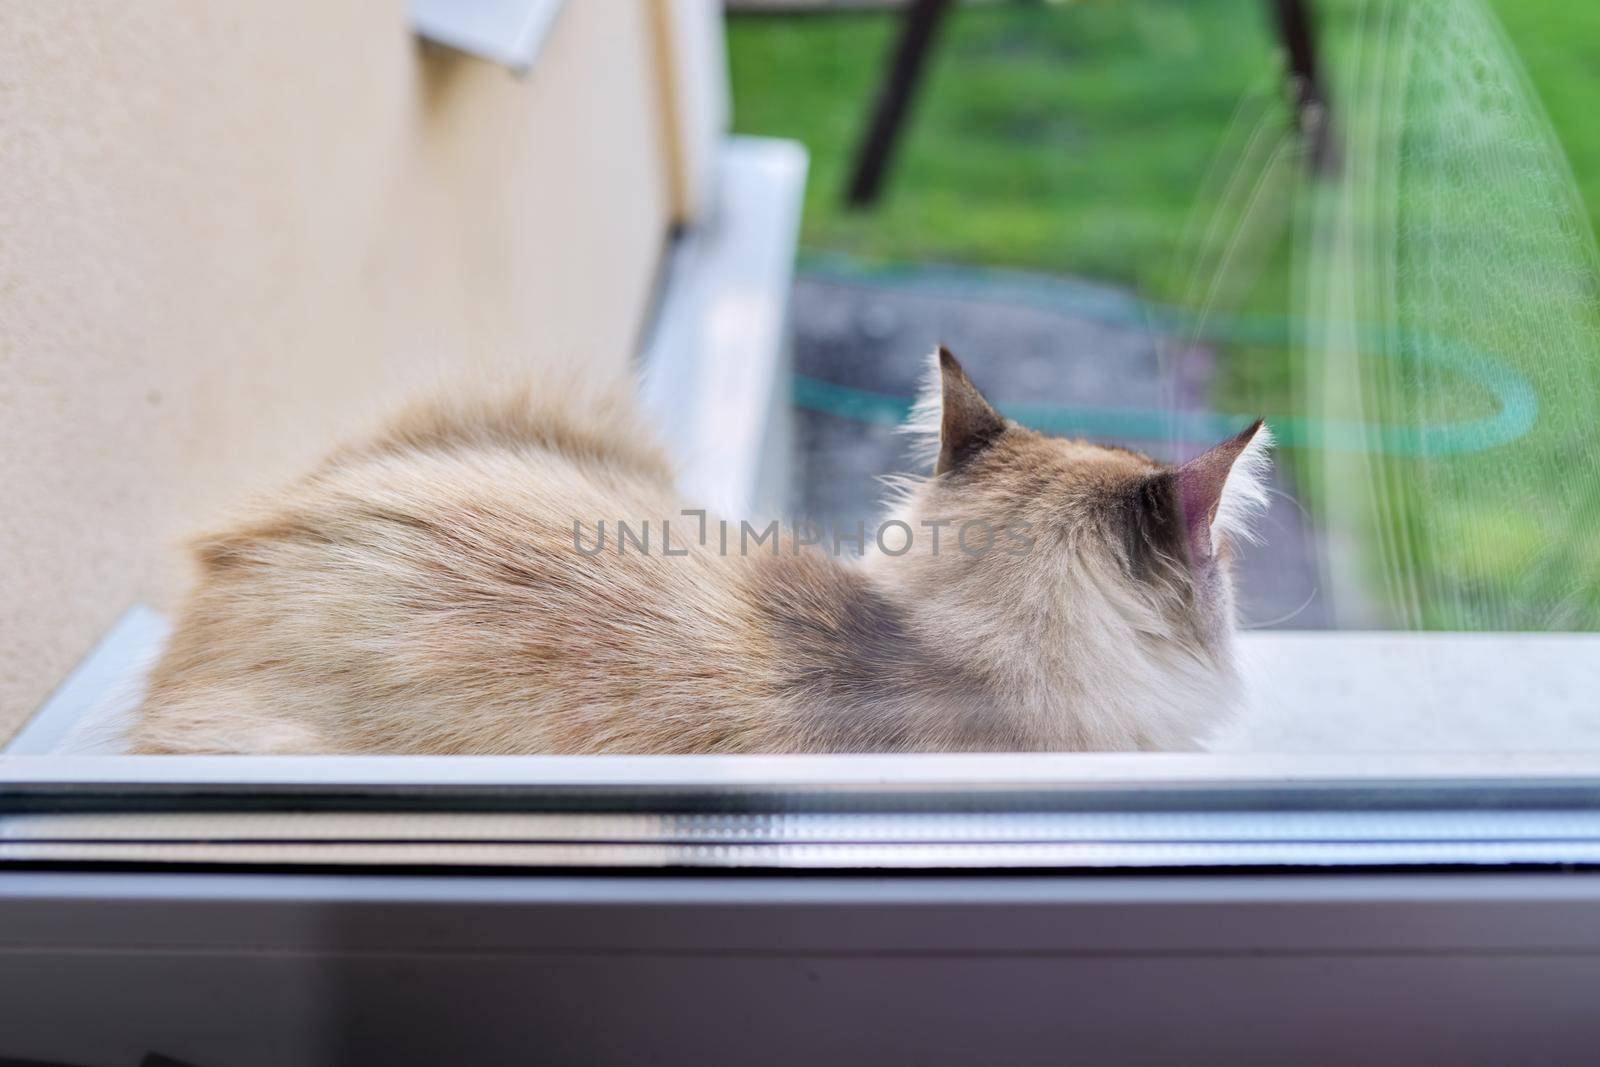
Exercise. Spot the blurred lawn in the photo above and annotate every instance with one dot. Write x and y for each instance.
(1077, 139)
(1069, 138)
(1062, 138)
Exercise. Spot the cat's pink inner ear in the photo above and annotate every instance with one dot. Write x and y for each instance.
(1201, 482)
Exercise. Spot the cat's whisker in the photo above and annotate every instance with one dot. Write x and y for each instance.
(1280, 620)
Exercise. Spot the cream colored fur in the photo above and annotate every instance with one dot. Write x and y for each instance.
(421, 593)
(1244, 497)
(1091, 659)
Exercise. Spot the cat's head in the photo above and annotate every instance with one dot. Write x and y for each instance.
(1051, 547)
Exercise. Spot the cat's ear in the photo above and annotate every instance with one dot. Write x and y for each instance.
(951, 417)
(1221, 493)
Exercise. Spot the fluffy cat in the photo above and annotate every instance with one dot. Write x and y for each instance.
(441, 589)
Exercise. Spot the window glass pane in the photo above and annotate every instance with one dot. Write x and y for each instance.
(1215, 377)
(1148, 223)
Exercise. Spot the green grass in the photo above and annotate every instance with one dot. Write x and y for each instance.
(1070, 138)
(1556, 41)
(1078, 139)
(1067, 139)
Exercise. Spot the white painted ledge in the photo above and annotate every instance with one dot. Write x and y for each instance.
(86, 714)
(716, 363)
(1337, 692)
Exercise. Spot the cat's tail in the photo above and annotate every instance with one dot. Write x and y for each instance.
(567, 413)
(198, 717)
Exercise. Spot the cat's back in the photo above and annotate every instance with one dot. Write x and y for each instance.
(462, 488)
(441, 586)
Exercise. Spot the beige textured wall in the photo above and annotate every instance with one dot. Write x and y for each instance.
(231, 231)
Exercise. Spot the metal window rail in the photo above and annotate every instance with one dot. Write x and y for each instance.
(817, 813)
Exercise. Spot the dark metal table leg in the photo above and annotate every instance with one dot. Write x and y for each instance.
(917, 32)
(1297, 30)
